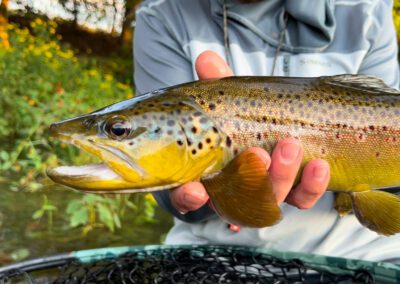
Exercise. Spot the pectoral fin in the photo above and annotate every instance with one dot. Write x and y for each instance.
(377, 210)
(242, 193)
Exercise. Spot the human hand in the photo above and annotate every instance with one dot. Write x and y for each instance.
(283, 164)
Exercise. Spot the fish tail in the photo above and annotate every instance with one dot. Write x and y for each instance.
(377, 210)
(242, 193)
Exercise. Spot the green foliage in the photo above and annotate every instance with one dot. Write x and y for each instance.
(93, 211)
(41, 82)
(46, 209)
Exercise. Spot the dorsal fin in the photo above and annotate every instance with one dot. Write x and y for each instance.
(363, 83)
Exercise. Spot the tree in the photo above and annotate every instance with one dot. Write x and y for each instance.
(4, 43)
(129, 17)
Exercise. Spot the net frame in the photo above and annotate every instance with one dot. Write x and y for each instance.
(240, 265)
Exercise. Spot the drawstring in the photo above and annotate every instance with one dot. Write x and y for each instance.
(226, 38)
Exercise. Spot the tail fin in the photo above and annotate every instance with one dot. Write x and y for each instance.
(378, 211)
(242, 193)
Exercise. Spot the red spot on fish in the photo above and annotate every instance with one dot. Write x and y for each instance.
(234, 228)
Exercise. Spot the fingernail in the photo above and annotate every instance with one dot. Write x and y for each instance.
(289, 152)
(320, 172)
(183, 212)
(193, 199)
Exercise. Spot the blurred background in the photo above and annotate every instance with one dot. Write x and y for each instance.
(60, 58)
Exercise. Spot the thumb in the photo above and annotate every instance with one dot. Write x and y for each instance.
(210, 65)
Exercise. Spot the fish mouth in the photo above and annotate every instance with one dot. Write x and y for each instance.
(100, 177)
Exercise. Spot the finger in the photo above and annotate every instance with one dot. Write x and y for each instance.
(210, 65)
(285, 163)
(188, 197)
(314, 181)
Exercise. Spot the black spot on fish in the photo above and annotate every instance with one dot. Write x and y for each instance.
(194, 151)
(194, 129)
(208, 140)
(215, 129)
(211, 106)
(221, 93)
(200, 145)
(180, 143)
(151, 105)
(273, 121)
(157, 130)
(131, 143)
(228, 141)
(259, 136)
(280, 96)
(202, 102)
(171, 122)
(371, 127)
(189, 142)
(266, 89)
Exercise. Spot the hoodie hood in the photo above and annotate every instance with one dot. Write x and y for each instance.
(310, 24)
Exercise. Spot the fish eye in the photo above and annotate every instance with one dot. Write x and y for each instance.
(118, 128)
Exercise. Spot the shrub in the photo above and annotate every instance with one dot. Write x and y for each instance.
(42, 82)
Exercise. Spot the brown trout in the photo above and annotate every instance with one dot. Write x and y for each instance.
(195, 131)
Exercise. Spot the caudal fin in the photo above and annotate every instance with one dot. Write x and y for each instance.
(378, 211)
(242, 193)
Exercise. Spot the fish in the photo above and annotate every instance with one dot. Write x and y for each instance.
(197, 131)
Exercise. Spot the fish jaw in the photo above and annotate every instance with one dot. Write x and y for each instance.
(96, 177)
(88, 178)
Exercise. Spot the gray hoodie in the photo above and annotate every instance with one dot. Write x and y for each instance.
(323, 37)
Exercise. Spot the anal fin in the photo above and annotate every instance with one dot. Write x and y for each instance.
(242, 192)
(377, 210)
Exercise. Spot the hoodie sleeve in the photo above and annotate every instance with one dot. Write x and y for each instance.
(381, 59)
(159, 61)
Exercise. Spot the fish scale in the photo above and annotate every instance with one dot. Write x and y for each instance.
(333, 123)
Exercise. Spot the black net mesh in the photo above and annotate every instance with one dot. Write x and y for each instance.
(199, 265)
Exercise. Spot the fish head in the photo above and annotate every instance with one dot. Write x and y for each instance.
(145, 144)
